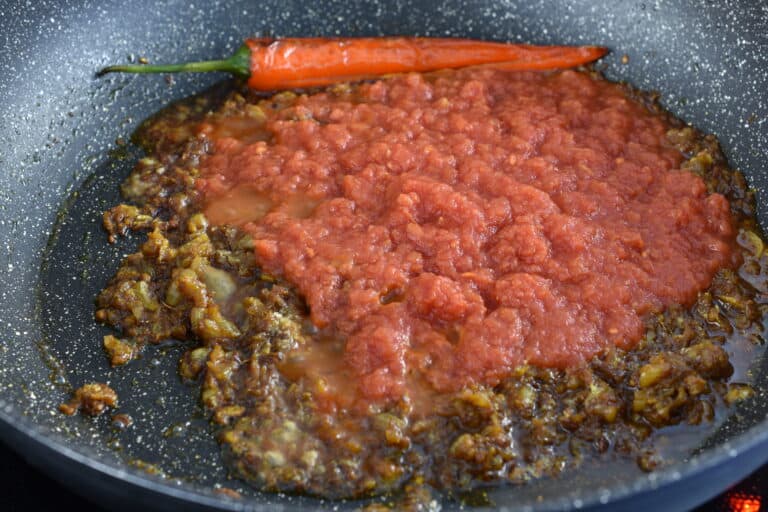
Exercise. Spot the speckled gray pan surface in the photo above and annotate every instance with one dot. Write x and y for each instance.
(58, 124)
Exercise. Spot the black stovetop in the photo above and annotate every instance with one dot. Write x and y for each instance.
(23, 488)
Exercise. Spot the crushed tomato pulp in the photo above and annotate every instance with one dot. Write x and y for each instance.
(449, 228)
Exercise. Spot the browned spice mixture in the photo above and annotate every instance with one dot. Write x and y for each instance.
(91, 399)
(198, 282)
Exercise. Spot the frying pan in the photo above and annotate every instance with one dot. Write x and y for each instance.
(60, 168)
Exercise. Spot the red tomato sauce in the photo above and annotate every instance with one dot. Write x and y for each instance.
(449, 228)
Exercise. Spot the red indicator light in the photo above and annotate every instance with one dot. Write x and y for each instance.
(744, 503)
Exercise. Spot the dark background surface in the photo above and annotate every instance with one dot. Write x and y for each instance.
(24, 488)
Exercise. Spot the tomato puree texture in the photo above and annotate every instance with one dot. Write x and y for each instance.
(448, 228)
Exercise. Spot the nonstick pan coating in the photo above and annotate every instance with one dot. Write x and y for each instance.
(59, 170)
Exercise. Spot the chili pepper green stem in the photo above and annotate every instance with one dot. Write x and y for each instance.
(238, 64)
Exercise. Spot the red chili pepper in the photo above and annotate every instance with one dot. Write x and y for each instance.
(271, 64)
